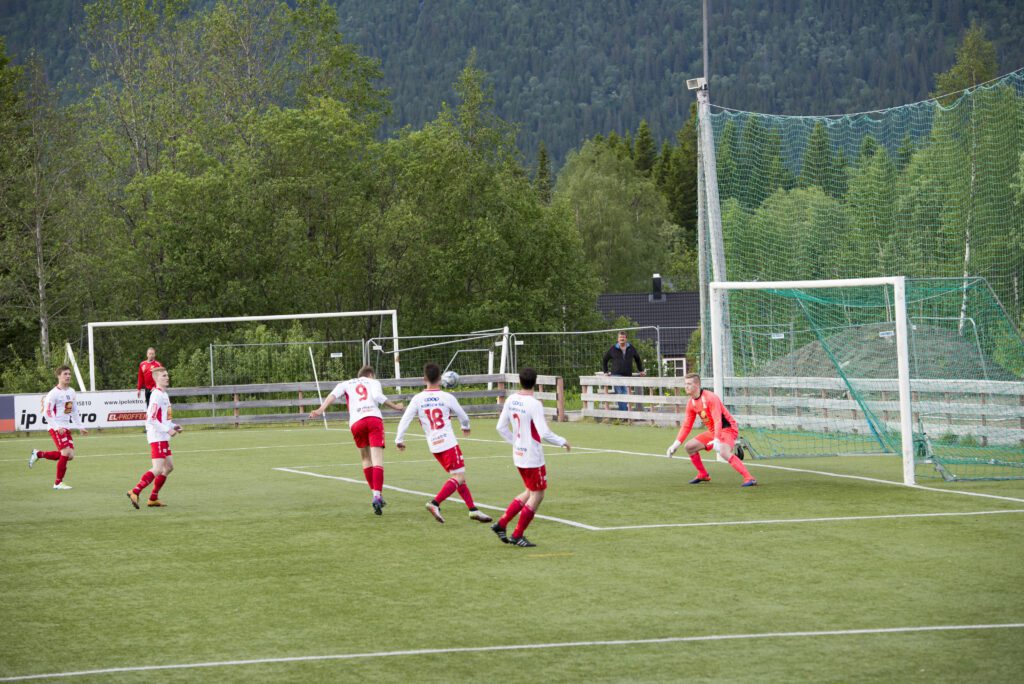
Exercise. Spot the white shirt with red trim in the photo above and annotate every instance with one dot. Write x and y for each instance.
(158, 417)
(434, 408)
(61, 409)
(363, 396)
(523, 425)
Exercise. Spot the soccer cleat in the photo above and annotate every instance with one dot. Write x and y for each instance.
(749, 483)
(699, 479)
(61, 486)
(479, 516)
(378, 505)
(500, 531)
(435, 511)
(134, 498)
(156, 503)
(33, 458)
(520, 541)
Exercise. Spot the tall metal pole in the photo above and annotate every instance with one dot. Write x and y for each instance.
(713, 213)
(705, 40)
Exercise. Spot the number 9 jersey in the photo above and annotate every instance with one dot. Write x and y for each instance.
(363, 396)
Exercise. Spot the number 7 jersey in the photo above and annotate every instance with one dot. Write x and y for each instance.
(523, 425)
(434, 408)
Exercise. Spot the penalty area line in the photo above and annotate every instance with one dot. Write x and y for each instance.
(571, 523)
(893, 516)
(519, 647)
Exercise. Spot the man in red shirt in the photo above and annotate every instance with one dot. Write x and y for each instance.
(721, 431)
(146, 374)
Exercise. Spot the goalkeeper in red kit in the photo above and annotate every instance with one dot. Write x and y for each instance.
(720, 435)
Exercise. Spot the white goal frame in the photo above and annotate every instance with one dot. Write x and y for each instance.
(241, 319)
(720, 327)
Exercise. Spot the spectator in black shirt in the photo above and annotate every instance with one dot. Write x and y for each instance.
(622, 355)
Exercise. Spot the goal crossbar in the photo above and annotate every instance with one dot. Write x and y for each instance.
(239, 319)
(898, 284)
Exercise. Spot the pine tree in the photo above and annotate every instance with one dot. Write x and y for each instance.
(975, 63)
(818, 159)
(542, 181)
(663, 167)
(644, 152)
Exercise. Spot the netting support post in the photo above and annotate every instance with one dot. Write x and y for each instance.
(713, 216)
(394, 342)
(903, 377)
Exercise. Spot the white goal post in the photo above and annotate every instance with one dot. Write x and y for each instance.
(720, 328)
(241, 319)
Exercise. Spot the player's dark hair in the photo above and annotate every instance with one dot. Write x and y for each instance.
(528, 378)
(365, 372)
(61, 369)
(432, 372)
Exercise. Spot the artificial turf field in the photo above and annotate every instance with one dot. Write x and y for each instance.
(257, 573)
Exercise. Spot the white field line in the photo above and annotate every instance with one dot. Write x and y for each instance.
(519, 647)
(571, 523)
(398, 462)
(720, 523)
(891, 482)
(810, 520)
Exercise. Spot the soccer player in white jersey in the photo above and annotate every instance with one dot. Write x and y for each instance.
(159, 430)
(434, 408)
(61, 412)
(363, 394)
(522, 424)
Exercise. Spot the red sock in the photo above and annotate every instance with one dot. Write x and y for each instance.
(378, 479)
(738, 466)
(147, 477)
(368, 474)
(466, 496)
(699, 465)
(510, 512)
(158, 482)
(49, 455)
(62, 468)
(524, 521)
(450, 486)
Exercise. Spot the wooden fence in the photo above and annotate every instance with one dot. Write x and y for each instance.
(292, 402)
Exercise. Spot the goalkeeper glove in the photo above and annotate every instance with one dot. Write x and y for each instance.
(672, 449)
(716, 445)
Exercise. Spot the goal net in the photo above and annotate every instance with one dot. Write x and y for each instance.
(928, 189)
(876, 366)
(237, 350)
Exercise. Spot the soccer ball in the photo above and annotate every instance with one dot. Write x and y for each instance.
(449, 379)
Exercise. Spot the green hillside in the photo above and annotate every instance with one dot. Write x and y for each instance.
(567, 71)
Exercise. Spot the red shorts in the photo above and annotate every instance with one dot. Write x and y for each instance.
(368, 431)
(535, 479)
(62, 438)
(159, 449)
(729, 436)
(451, 460)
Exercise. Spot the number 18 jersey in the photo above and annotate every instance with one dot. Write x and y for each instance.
(434, 408)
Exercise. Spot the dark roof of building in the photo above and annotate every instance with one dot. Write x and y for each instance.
(676, 313)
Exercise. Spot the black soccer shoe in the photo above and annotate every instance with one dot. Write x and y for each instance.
(520, 541)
